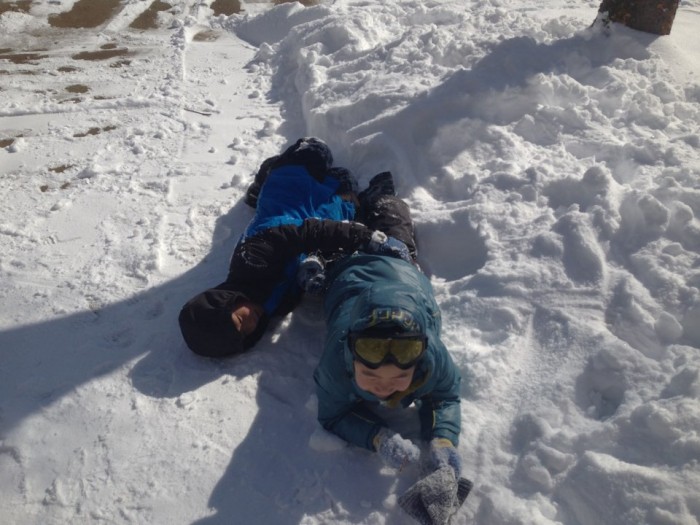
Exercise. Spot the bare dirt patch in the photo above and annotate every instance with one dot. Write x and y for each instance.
(61, 169)
(67, 69)
(307, 3)
(205, 36)
(232, 7)
(17, 72)
(120, 63)
(23, 58)
(95, 131)
(85, 13)
(77, 88)
(149, 18)
(19, 6)
(102, 54)
(226, 7)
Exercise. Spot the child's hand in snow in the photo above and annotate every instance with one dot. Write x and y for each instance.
(394, 450)
(444, 454)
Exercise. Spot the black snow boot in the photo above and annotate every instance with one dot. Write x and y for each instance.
(381, 184)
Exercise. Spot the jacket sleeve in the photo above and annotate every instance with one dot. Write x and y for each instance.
(339, 410)
(441, 413)
(352, 422)
(261, 262)
(285, 242)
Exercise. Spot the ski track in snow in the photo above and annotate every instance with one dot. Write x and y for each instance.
(553, 177)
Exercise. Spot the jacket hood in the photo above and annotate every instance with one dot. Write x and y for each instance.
(373, 291)
(390, 306)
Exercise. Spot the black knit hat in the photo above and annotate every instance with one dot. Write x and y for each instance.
(310, 152)
(206, 325)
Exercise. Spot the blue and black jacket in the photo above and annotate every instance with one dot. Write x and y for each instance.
(300, 209)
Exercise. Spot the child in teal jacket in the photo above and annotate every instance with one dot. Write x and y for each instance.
(383, 347)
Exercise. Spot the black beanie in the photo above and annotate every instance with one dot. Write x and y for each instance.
(206, 324)
(312, 153)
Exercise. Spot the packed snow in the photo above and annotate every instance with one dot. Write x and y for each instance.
(553, 170)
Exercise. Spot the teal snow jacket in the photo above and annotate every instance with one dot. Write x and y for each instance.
(363, 286)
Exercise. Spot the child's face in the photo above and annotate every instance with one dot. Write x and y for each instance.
(246, 316)
(383, 381)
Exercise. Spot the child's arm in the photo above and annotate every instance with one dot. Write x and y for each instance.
(356, 424)
(338, 413)
(440, 410)
(268, 252)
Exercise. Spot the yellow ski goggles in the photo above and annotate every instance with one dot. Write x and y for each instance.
(374, 350)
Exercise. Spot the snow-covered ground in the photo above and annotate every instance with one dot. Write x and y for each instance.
(554, 176)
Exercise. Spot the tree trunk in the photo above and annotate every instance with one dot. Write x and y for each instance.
(652, 16)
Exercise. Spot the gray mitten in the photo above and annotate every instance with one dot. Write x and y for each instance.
(394, 450)
(433, 499)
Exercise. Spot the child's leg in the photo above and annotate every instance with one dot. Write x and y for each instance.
(381, 209)
(392, 216)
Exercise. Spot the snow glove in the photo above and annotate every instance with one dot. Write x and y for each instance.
(434, 499)
(395, 451)
(311, 276)
(382, 244)
(444, 454)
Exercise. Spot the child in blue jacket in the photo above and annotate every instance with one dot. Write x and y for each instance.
(302, 205)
